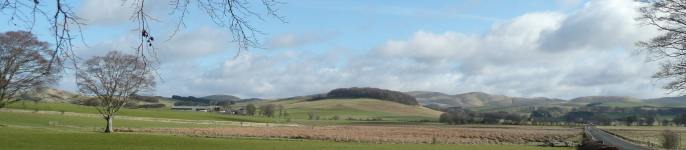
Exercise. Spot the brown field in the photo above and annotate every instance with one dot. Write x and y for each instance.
(646, 135)
(391, 134)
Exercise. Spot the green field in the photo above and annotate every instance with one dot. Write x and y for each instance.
(355, 111)
(24, 125)
(88, 122)
(154, 113)
(32, 138)
(349, 111)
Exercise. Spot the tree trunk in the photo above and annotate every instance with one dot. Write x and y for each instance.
(109, 127)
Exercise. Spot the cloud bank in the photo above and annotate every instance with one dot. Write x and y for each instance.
(589, 51)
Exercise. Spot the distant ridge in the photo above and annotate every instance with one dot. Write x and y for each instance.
(603, 99)
(221, 98)
(476, 99)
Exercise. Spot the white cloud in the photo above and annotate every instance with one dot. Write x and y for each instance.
(292, 40)
(551, 54)
(600, 25)
(591, 56)
(105, 11)
(115, 12)
(196, 43)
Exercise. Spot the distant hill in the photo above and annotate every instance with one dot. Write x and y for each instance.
(477, 99)
(359, 108)
(603, 99)
(52, 95)
(222, 98)
(679, 101)
(372, 93)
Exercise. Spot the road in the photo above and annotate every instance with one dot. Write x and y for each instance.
(612, 140)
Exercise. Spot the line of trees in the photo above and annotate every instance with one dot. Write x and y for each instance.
(640, 116)
(464, 116)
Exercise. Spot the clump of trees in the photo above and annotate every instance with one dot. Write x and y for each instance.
(250, 109)
(149, 99)
(267, 110)
(112, 79)
(600, 115)
(151, 105)
(24, 65)
(374, 93)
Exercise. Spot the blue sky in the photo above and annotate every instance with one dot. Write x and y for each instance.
(549, 48)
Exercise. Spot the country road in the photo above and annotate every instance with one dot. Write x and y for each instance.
(613, 140)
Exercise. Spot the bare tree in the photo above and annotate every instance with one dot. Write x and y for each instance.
(281, 110)
(24, 63)
(670, 46)
(268, 110)
(233, 15)
(250, 109)
(112, 79)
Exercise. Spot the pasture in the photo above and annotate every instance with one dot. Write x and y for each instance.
(647, 135)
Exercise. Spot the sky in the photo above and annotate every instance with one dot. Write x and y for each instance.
(535, 48)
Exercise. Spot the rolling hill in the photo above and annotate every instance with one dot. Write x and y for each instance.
(52, 95)
(362, 108)
(222, 98)
(603, 99)
(679, 101)
(477, 99)
(484, 101)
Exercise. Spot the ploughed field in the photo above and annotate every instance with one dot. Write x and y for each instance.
(21, 138)
(390, 134)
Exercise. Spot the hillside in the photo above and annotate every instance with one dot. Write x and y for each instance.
(222, 98)
(679, 101)
(603, 99)
(372, 93)
(52, 95)
(477, 99)
(355, 108)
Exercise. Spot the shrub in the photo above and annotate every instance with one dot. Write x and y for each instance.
(131, 105)
(671, 139)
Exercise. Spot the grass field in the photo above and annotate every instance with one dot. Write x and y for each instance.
(155, 113)
(652, 134)
(355, 111)
(77, 121)
(349, 111)
(32, 138)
